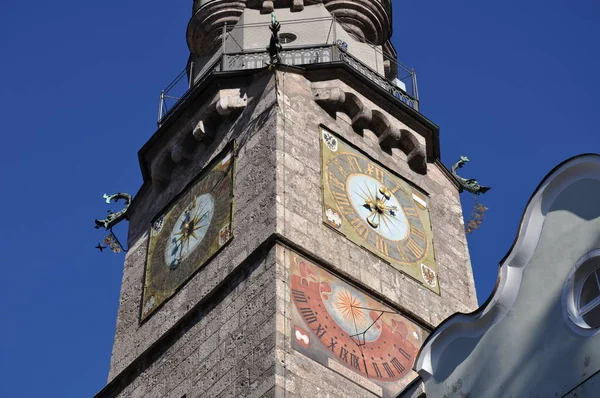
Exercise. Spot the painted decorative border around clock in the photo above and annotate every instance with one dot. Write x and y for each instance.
(376, 209)
(192, 229)
(348, 331)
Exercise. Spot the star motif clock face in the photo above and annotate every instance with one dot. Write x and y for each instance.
(377, 210)
(189, 234)
(189, 229)
(349, 332)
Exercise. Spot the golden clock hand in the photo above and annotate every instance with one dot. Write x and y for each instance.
(372, 223)
(199, 209)
(385, 192)
(367, 198)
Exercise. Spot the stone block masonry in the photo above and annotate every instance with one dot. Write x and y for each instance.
(299, 214)
(226, 333)
(224, 347)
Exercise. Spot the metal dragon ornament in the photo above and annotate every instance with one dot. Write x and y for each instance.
(468, 184)
(111, 241)
(471, 185)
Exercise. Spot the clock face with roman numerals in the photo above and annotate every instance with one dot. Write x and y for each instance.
(189, 233)
(377, 210)
(349, 332)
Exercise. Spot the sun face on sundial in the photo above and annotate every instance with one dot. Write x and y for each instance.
(349, 332)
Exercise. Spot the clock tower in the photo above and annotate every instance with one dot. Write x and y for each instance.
(296, 232)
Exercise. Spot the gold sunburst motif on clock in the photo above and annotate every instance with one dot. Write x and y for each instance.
(350, 306)
(377, 210)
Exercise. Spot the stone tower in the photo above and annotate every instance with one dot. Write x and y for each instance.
(296, 233)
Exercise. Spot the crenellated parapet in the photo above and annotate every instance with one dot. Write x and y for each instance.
(368, 20)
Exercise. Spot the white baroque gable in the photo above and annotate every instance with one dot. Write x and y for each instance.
(522, 342)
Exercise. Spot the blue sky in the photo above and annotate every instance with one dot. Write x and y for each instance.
(513, 85)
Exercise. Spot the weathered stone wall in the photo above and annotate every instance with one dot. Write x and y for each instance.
(254, 219)
(277, 198)
(297, 375)
(299, 214)
(225, 348)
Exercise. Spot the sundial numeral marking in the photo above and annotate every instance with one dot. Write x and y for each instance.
(332, 345)
(320, 331)
(308, 315)
(404, 354)
(344, 354)
(388, 369)
(299, 296)
(354, 362)
(399, 367)
(377, 371)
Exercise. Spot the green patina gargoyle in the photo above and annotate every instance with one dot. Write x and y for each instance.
(468, 184)
(275, 47)
(114, 218)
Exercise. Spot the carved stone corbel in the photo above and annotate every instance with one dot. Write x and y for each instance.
(267, 7)
(334, 99)
(356, 109)
(331, 99)
(200, 129)
(415, 152)
(297, 5)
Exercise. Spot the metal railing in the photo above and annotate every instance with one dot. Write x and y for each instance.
(234, 56)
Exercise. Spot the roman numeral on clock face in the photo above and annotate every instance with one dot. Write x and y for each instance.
(418, 233)
(354, 164)
(402, 253)
(382, 245)
(414, 248)
(336, 183)
(410, 212)
(375, 172)
(360, 228)
(343, 203)
(340, 168)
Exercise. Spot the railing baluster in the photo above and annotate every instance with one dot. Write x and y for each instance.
(249, 59)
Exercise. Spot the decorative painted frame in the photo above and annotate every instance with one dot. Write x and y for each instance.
(425, 270)
(348, 331)
(161, 281)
